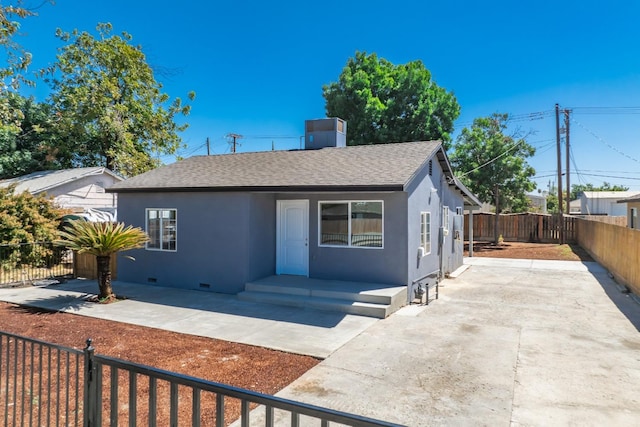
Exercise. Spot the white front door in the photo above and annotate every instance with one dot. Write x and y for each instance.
(292, 237)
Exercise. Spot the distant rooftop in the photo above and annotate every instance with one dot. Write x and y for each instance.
(38, 182)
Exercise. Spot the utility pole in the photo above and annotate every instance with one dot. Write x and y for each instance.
(208, 147)
(566, 138)
(235, 137)
(559, 153)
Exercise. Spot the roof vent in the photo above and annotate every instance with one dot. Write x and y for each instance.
(320, 133)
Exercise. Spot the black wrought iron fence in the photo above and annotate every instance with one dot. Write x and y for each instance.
(41, 384)
(24, 263)
(47, 384)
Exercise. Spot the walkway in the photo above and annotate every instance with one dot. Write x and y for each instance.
(302, 331)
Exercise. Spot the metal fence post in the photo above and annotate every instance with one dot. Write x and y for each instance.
(90, 392)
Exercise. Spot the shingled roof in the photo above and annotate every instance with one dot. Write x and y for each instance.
(382, 167)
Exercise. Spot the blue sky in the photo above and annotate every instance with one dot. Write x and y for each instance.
(258, 67)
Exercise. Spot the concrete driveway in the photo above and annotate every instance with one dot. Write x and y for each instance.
(510, 342)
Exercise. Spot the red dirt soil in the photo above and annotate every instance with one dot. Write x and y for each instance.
(521, 250)
(249, 367)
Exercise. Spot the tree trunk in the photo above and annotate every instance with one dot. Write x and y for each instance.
(496, 231)
(104, 276)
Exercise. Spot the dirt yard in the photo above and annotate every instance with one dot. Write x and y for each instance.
(254, 368)
(521, 250)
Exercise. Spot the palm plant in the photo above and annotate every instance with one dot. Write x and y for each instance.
(102, 239)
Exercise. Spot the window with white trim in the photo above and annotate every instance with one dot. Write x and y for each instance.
(425, 232)
(459, 210)
(162, 229)
(351, 224)
(445, 218)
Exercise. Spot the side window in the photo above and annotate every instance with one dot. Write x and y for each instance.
(425, 232)
(445, 218)
(162, 229)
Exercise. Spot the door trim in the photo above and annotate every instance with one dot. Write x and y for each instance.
(280, 205)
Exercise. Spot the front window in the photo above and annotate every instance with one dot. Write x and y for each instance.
(351, 224)
(161, 228)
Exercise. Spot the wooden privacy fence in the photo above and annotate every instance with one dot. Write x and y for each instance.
(616, 248)
(85, 266)
(526, 227)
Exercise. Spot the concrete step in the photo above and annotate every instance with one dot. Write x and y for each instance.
(375, 294)
(340, 305)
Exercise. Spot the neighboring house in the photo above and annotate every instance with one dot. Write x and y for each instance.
(575, 207)
(633, 207)
(78, 189)
(538, 202)
(367, 214)
(604, 202)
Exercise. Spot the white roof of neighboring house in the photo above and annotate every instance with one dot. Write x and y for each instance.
(634, 198)
(536, 196)
(615, 195)
(37, 182)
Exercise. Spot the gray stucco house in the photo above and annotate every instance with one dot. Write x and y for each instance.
(389, 214)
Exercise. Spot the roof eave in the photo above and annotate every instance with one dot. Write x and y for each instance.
(265, 189)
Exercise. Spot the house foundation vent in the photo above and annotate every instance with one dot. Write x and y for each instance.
(152, 280)
(205, 285)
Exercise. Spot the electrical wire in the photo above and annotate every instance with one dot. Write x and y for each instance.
(603, 141)
(605, 110)
(492, 160)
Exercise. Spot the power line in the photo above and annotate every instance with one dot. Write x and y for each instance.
(492, 160)
(612, 176)
(604, 142)
(606, 110)
(271, 137)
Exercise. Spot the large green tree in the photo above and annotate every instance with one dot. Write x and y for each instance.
(493, 164)
(30, 144)
(14, 63)
(110, 105)
(384, 103)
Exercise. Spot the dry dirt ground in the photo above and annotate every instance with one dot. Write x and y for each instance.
(521, 250)
(254, 368)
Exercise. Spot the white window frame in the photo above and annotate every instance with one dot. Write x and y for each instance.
(445, 218)
(146, 223)
(425, 232)
(459, 210)
(348, 203)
